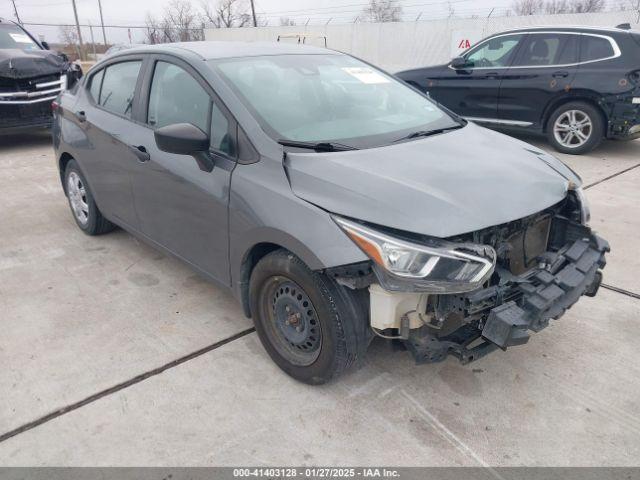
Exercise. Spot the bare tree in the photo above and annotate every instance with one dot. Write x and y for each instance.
(528, 7)
(179, 23)
(382, 11)
(287, 22)
(227, 13)
(450, 9)
(557, 6)
(153, 33)
(535, 7)
(69, 37)
(585, 6)
(180, 15)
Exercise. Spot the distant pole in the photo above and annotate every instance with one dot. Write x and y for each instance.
(253, 13)
(15, 10)
(488, 16)
(75, 14)
(104, 35)
(93, 42)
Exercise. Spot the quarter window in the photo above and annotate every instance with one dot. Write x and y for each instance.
(176, 97)
(221, 134)
(118, 87)
(96, 83)
(496, 52)
(545, 49)
(595, 48)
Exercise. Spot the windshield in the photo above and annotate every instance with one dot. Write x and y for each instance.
(329, 98)
(14, 37)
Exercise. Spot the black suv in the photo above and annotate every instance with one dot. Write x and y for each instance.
(31, 76)
(577, 85)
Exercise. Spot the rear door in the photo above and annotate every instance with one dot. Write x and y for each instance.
(107, 157)
(181, 207)
(544, 68)
(472, 91)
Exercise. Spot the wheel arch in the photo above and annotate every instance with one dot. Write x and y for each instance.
(63, 160)
(586, 96)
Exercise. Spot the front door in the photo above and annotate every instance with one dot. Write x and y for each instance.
(180, 206)
(542, 71)
(473, 89)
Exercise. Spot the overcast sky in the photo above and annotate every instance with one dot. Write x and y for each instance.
(133, 12)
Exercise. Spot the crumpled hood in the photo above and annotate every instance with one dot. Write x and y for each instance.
(16, 63)
(445, 185)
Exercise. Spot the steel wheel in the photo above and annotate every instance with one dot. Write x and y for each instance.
(78, 198)
(573, 128)
(293, 326)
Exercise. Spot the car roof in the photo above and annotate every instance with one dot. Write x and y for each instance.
(210, 50)
(568, 28)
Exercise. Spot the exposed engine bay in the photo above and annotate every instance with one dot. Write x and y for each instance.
(544, 263)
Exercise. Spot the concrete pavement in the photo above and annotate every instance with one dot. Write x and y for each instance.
(82, 314)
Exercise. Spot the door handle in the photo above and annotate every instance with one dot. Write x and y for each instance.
(81, 116)
(141, 152)
(560, 74)
(492, 75)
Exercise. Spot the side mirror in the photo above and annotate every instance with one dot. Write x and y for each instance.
(45, 45)
(185, 139)
(458, 62)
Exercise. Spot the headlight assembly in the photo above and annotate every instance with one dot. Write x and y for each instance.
(440, 267)
(585, 211)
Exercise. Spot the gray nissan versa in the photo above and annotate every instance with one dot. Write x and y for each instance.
(336, 202)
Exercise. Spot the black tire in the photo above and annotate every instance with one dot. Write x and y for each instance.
(595, 135)
(91, 222)
(335, 317)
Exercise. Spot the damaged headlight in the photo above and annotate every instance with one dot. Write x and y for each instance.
(585, 211)
(440, 267)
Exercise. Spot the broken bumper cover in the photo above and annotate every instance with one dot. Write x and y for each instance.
(624, 115)
(521, 303)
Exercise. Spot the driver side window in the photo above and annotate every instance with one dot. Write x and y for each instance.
(496, 52)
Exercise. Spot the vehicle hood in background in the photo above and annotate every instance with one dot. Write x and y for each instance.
(444, 185)
(16, 63)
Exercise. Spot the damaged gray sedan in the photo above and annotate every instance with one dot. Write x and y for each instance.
(334, 201)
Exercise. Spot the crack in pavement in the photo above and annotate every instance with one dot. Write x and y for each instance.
(598, 182)
(121, 386)
(622, 291)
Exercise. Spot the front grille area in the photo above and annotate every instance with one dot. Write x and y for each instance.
(32, 90)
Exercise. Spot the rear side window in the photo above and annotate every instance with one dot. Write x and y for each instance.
(176, 97)
(118, 87)
(595, 48)
(94, 86)
(546, 49)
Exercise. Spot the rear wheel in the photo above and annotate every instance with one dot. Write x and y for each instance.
(575, 128)
(312, 328)
(83, 207)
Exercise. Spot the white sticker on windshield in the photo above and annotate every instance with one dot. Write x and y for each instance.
(20, 38)
(366, 75)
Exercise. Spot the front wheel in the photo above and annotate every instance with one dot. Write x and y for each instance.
(575, 128)
(311, 327)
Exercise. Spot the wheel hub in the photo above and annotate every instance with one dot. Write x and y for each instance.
(572, 128)
(78, 197)
(295, 318)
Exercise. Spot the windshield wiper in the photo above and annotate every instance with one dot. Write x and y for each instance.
(317, 146)
(427, 133)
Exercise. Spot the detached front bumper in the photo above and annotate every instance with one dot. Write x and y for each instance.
(508, 310)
